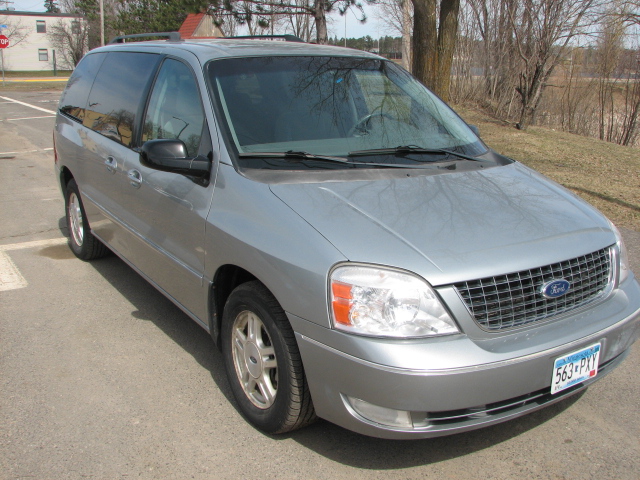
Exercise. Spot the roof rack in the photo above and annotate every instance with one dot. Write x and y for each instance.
(283, 38)
(171, 36)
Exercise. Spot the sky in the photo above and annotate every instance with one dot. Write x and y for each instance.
(336, 22)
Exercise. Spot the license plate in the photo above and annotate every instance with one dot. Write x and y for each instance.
(575, 368)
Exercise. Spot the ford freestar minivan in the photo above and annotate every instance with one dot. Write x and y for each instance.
(353, 247)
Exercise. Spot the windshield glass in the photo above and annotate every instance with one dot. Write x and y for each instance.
(331, 106)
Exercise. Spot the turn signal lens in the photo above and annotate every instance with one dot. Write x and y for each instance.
(623, 265)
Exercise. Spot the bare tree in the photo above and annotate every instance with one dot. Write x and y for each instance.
(70, 40)
(302, 26)
(16, 32)
(631, 110)
(495, 50)
(90, 10)
(542, 30)
(260, 12)
(397, 17)
(631, 12)
(609, 48)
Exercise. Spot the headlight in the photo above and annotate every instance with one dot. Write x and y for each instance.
(386, 303)
(624, 256)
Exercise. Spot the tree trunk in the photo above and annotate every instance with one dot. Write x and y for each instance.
(425, 39)
(406, 35)
(320, 16)
(531, 93)
(433, 46)
(447, 35)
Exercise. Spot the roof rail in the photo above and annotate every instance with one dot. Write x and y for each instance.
(171, 36)
(282, 38)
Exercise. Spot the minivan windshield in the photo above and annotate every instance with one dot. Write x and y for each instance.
(334, 106)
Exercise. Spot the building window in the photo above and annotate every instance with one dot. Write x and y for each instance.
(43, 55)
(75, 27)
(41, 26)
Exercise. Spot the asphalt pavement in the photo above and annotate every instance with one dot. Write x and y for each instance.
(102, 377)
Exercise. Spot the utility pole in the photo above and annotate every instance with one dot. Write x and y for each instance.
(101, 22)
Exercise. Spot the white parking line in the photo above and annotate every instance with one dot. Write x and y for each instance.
(10, 276)
(27, 151)
(28, 105)
(34, 244)
(29, 118)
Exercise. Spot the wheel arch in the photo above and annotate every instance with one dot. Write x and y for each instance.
(65, 177)
(225, 280)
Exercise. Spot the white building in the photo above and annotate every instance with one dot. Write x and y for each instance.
(30, 47)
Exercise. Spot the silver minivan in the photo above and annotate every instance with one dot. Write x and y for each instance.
(352, 246)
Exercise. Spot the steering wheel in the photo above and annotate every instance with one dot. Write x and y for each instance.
(364, 120)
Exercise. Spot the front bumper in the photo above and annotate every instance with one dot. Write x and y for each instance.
(456, 396)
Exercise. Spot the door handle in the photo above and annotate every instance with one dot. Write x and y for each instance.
(135, 178)
(112, 164)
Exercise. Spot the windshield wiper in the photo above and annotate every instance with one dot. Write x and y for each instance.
(406, 149)
(301, 155)
(291, 154)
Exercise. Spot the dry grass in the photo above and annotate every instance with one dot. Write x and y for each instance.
(604, 174)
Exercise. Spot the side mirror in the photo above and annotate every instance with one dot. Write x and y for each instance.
(170, 155)
(475, 129)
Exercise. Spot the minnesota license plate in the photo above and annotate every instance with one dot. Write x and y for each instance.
(575, 368)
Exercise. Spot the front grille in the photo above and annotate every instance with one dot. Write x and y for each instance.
(515, 299)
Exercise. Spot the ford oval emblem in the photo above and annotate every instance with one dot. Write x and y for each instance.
(555, 288)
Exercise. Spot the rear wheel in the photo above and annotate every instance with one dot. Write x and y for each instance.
(263, 362)
(82, 242)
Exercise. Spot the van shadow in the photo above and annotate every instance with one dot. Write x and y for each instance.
(359, 451)
(324, 438)
(152, 306)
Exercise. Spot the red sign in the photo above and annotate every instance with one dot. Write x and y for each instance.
(4, 41)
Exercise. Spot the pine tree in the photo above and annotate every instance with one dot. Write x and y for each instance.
(51, 7)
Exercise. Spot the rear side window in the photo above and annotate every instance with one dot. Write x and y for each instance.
(74, 99)
(117, 94)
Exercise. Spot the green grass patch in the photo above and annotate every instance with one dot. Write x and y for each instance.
(605, 174)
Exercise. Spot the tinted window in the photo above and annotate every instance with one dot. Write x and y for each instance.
(331, 106)
(74, 98)
(117, 93)
(174, 109)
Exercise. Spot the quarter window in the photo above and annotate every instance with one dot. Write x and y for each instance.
(174, 109)
(74, 98)
(41, 26)
(43, 55)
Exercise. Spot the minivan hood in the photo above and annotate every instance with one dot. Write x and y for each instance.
(452, 227)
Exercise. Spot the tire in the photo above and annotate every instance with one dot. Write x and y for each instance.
(82, 242)
(263, 362)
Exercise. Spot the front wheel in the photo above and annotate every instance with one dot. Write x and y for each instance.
(263, 362)
(82, 242)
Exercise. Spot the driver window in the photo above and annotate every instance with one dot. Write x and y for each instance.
(175, 111)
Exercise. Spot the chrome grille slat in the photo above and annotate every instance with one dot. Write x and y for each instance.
(514, 299)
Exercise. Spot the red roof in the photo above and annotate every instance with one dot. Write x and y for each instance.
(190, 24)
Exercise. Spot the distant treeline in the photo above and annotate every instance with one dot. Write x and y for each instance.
(389, 47)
